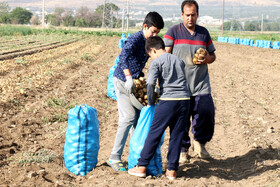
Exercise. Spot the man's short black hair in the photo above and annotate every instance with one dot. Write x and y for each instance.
(154, 42)
(189, 2)
(154, 19)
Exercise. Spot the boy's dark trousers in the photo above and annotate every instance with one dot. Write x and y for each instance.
(202, 111)
(172, 113)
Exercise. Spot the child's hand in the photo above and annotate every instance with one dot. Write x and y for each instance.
(129, 85)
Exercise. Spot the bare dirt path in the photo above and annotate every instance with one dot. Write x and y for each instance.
(245, 146)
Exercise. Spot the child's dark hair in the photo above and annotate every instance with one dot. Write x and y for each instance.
(154, 19)
(189, 2)
(154, 42)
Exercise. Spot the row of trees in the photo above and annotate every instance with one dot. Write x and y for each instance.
(16, 16)
(83, 17)
(235, 25)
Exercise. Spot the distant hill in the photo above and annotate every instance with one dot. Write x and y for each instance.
(230, 12)
(138, 8)
(137, 3)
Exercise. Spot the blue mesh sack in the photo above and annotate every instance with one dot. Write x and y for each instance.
(122, 40)
(110, 86)
(117, 60)
(137, 142)
(82, 140)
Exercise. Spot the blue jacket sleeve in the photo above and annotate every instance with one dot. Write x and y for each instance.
(127, 55)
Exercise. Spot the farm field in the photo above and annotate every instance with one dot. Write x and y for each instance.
(38, 89)
(11, 46)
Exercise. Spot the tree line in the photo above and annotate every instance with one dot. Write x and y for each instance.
(82, 17)
(16, 16)
(235, 25)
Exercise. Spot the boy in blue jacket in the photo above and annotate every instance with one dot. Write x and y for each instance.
(172, 109)
(133, 58)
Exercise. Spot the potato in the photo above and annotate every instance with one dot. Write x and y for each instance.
(145, 97)
(145, 90)
(137, 82)
(141, 79)
(194, 60)
(202, 51)
(141, 86)
(199, 52)
(140, 91)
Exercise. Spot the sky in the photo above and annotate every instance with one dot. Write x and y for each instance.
(133, 3)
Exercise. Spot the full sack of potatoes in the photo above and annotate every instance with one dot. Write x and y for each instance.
(140, 91)
(197, 57)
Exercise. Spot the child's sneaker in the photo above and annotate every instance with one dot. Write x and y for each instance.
(139, 171)
(170, 174)
(117, 165)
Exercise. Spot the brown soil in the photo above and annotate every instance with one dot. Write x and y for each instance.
(245, 146)
(33, 49)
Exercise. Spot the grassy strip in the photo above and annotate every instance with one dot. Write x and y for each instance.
(11, 30)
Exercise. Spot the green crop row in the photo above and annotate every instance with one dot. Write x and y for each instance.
(12, 30)
(9, 30)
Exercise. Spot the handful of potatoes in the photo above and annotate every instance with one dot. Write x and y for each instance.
(197, 57)
(140, 91)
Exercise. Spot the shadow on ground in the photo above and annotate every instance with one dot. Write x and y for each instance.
(253, 163)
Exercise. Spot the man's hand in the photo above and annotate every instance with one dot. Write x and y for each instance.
(206, 59)
(202, 59)
(129, 85)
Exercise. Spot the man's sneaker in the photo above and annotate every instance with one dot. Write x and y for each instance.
(170, 174)
(200, 150)
(139, 171)
(184, 158)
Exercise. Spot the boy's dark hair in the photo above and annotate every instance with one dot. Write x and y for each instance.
(189, 2)
(154, 19)
(154, 42)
